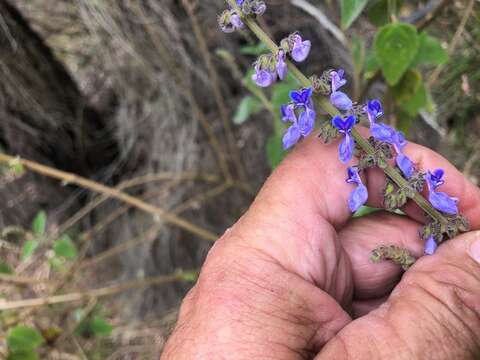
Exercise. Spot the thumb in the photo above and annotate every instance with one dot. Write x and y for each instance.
(434, 312)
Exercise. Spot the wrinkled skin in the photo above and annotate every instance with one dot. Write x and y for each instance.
(292, 278)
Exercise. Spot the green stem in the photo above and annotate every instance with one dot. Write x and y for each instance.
(323, 102)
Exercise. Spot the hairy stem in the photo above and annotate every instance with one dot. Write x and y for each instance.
(323, 102)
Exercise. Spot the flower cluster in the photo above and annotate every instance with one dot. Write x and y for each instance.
(301, 114)
(231, 20)
(270, 66)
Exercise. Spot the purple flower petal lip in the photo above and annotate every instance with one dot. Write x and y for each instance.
(373, 109)
(383, 132)
(434, 179)
(237, 21)
(358, 197)
(300, 49)
(288, 113)
(430, 246)
(281, 66)
(337, 79)
(291, 137)
(344, 125)
(444, 203)
(405, 165)
(260, 8)
(341, 100)
(262, 78)
(353, 175)
(345, 150)
(240, 2)
(301, 97)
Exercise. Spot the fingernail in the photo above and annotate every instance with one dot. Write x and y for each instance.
(475, 250)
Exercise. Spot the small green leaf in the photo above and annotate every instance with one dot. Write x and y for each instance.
(407, 86)
(364, 211)
(256, 50)
(100, 327)
(22, 338)
(430, 51)
(5, 268)
(417, 102)
(39, 223)
(350, 10)
(190, 276)
(275, 152)
(378, 13)
(64, 247)
(248, 106)
(28, 248)
(395, 47)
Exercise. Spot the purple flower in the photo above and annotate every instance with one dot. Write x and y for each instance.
(383, 132)
(302, 127)
(347, 145)
(444, 203)
(337, 79)
(359, 195)
(259, 8)
(236, 21)
(300, 49)
(288, 113)
(374, 110)
(430, 246)
(240, 2)
(281, 66)
(405, 165)
(262, 78)
(302, 98)
(340, 100)
(434, 179)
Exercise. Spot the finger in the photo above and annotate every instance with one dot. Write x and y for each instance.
(360, 236)
(363, 307)
(433, 313)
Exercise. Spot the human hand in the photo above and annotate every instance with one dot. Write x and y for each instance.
(288, 279)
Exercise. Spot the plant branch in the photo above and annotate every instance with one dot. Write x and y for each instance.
(323, 102)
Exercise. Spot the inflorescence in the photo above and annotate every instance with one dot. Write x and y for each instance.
(387, 143)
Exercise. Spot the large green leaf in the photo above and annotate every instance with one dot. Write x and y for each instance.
(248, 106)
(396, 46)
(39, 223)
(350, 10)
(64, 247)
(23, 338)
(430, 51)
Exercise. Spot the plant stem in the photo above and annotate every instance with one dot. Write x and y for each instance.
(323, 102)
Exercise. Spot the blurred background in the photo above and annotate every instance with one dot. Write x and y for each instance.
(152, 140)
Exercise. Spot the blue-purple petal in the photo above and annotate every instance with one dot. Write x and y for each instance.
(263, 78)
(345, 149)
(358, 197)
(337, 79)
(383, 132)
(288, 113)
(444, 203)
(353, 176)
(405, 165)
(306, 122)
(341, 100)
(300, 50)
(291, 137)
(430, 246)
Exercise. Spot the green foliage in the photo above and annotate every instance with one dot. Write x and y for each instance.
(39, 223)
(364, 211)
(396, 46)
(64, 247)
(350, 10)
(430, 51)
(28, 249)
(22, 341)
(275, 153)
(358, 54)
(378, 12)
(5, 268)
(248, 106)
(255, 50)
(95, 326)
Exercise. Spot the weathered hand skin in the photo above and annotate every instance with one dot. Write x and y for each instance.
(288, 279)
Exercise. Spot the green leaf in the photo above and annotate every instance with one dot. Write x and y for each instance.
(430, 51)
(364, 211)
(248, 106)
(378, 13)
(39, 223)
(5, 268)
(256, 50)
(371, 65)
(23, 338)
(275, 152)
(22, 355)
(28, 248)
(417, 102)
(350, 10)
(100, 327)
(407, 86)
(395, 47)
(64, 247)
